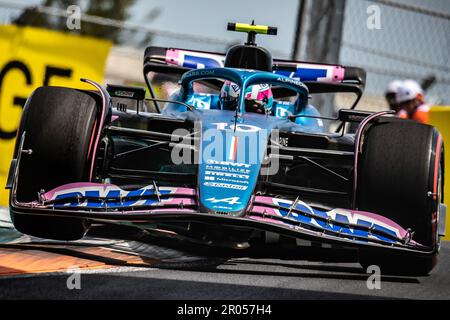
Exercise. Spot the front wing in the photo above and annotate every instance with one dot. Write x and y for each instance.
(107, 202)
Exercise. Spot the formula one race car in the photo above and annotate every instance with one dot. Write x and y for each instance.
(232, 151)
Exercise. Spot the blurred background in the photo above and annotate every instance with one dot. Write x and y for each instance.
(55, 42)
(411, 38)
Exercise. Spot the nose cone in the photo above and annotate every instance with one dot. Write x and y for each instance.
(230, 161)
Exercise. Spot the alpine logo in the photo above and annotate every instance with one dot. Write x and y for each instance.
(231, 200)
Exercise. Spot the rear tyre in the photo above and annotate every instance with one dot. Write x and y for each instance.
(58, 123)
(401, 163)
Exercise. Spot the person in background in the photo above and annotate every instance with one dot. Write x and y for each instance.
(390, 94)
(411, 102)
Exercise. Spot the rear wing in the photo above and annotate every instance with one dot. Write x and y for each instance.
(319, 77)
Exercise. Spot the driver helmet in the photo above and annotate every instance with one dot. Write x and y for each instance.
(258, 97)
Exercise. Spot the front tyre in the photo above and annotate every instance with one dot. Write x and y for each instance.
(59, 124)
(401, 177)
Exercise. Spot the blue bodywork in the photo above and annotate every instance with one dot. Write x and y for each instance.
(233, 143)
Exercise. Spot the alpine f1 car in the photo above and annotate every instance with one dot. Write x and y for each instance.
(229, 148)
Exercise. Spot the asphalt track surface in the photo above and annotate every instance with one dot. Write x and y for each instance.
(176, 271)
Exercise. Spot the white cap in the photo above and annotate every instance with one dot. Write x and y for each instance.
(393, 86)
(409, 90)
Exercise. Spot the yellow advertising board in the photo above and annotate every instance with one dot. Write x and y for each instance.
(440, 118)
(32, 57)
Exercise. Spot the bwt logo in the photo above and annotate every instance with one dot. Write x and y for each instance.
(109, 194)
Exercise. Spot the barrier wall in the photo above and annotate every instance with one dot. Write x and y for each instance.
(440, 118)
(32, 57)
